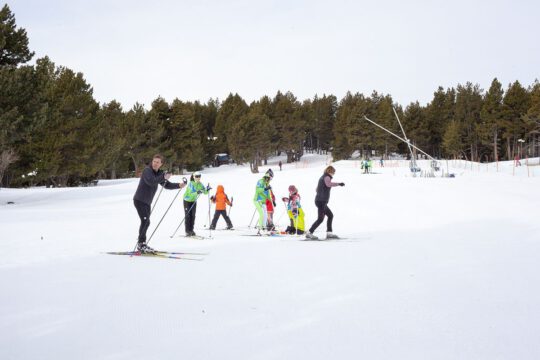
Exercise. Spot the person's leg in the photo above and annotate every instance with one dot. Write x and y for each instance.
(227, 219)
(300, 220)
(330, 217)
(143, 210)
(189, 211)
(320, 216)
(259, 208)
(215, 219)
(192, 213)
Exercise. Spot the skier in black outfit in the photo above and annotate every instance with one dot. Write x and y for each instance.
(151, 177)
(321, 201)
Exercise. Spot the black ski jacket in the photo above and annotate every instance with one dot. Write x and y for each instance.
(148, 184)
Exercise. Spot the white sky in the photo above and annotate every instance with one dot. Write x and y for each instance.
(135, 51)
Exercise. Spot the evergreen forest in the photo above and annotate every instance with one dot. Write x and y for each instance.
(54, 133)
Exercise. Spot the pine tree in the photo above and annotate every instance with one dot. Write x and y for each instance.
(229, 113)
(491, 117)
(532, 119)
(251, 136)
(289, 124)
(438, 115)
(112, 137)
(143, 136)
(452, 143)
(515, 106)
(66, 141)
(13, 42)
(185, 133)
(467, 113)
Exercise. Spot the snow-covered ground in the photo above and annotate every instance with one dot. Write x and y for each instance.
(432, 268)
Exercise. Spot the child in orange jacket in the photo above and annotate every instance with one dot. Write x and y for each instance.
(221, 200)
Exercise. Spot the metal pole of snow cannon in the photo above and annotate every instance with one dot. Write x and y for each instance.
(184, 180)
(400, 138)
(181, 222)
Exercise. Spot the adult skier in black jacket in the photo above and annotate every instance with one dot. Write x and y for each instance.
(324, 186)
(151, 177)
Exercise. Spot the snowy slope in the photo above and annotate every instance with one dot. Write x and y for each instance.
(433, 268)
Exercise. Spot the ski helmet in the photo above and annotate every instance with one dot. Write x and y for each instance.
(269, 174)
(197, 174)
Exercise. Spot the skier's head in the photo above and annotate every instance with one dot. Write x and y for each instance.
(220, 189)
(196, 176)
(292, 190)
(268, 175)
(157, 161)
(330, 170)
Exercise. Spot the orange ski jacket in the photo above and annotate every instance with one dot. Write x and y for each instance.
(221, 199)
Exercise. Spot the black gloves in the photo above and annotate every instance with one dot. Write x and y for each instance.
(199, 192)
(213, 198)
(341, 184)
(274, 203)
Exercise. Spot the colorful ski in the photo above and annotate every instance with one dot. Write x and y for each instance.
(154, 254)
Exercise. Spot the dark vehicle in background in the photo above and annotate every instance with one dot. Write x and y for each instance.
(221, 159)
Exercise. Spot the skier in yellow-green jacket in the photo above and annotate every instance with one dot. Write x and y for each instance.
(193, 190)
(263, 193)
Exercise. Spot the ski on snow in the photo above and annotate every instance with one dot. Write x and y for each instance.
(160, 254)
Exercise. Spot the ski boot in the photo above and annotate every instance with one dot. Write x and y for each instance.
(330, 235)
(143, 248)
(310, 236)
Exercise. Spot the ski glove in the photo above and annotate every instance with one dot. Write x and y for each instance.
(341, 184)
(199, 192)
(274, 203)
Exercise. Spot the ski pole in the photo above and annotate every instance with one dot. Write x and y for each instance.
(155, 203)
(172, 202)
(230, 206)
(181, 222)
(209, 227)
(252, 216)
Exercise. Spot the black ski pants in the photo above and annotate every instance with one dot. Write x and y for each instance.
(216, 218)
(190, 208)
(322, 211)
(144, 214)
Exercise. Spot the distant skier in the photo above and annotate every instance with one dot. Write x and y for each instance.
(150, 178)
(261, 195)
(321, 201)
(221, 200)
(381, 162)
(194, 189)
(295, 212)
(280, 165)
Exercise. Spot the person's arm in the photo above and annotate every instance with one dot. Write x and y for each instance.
(328, 182)
(150, 179)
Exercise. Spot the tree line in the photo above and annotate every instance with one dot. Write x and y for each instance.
(53, 131)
